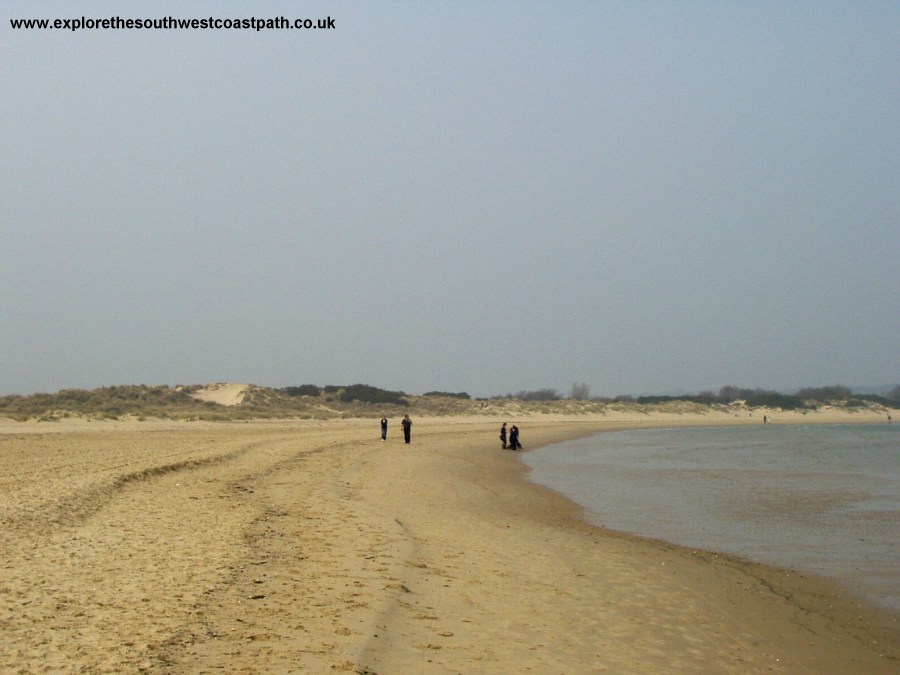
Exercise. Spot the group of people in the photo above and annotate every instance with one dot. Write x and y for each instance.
(513, 443)
(406, 423)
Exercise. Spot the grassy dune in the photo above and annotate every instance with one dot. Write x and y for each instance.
(245, 402)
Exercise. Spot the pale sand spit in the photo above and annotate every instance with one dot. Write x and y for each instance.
(313, 547)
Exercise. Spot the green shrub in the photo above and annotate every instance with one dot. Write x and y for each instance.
(773, 399)
(368, 394)
(538, 395)
(832, 393)
(303, 390)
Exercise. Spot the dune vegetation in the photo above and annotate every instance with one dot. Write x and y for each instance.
(224, 402)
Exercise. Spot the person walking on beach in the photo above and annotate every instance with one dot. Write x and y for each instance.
(514, 438)
(503, 435)
(407, 428)
(383, 429)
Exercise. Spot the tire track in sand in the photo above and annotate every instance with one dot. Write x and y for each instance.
(106, 563)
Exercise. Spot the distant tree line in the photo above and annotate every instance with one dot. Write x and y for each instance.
(303, 390)
(446, 394)
(803, 398)
(765, 398)
(832, 393)
(535, 395)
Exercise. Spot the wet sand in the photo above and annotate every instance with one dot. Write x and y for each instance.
(314, 547)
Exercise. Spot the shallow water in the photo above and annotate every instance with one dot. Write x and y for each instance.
(822, 499)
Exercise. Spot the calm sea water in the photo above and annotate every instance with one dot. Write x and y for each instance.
(822, 499)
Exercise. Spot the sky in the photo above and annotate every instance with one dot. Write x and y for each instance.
(488, 197)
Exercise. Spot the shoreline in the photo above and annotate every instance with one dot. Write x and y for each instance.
(313, 546)
(852, 586)
(735, 560)
(782, 599)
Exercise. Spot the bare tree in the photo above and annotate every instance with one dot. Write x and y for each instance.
(580, 392)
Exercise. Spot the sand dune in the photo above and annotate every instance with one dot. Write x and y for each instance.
(314, 547)
(223, 394)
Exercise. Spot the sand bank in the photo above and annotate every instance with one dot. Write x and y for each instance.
(314, 547)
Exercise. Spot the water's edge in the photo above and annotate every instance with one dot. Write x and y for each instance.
(676, 498)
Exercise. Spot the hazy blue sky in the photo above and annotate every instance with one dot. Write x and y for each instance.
(643, 196)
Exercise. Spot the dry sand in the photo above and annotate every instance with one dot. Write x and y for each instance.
(223, 394)
(313, 547)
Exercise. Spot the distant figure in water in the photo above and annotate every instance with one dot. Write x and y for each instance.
(407, 428)
(383, 429)
(514, 438)
(889, 419)
(765, 419)
(503, 435)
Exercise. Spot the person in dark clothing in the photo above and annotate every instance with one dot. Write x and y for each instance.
(503, 435)
(383, 429)
(407, 428)
(514, 438)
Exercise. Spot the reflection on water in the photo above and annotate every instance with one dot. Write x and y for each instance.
(823, 499)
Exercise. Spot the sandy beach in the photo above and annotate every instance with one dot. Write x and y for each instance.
(313, 547)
